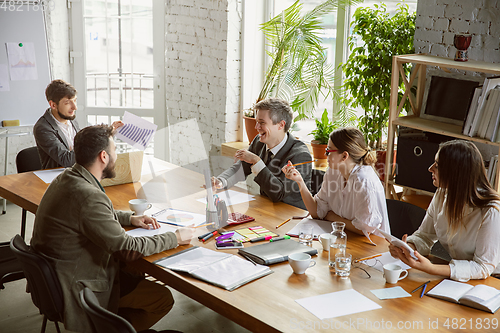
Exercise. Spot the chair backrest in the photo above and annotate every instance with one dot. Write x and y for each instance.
(10, 267)
(316, 180)
(43, 282)
(404, 218)
(28, 160)
(102, 319)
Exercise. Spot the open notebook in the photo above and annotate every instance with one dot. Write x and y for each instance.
(220, 269)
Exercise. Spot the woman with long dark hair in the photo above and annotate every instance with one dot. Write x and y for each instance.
(464, 216)
(351, 191)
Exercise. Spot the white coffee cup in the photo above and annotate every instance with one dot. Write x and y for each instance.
(392, 273)
(139, 206)
(300, 262)
(325, 239)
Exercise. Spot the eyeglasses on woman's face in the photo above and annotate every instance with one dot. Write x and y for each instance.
(328, 151)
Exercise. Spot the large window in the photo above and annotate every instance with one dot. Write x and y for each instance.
(331, 42)
(116, 70)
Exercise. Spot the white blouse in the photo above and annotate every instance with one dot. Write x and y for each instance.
(361, 199)
(475, 250)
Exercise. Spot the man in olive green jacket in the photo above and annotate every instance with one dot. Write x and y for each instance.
(79, 232)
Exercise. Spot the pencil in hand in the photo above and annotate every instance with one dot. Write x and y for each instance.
(304, 163)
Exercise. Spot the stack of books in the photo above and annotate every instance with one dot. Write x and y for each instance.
(483, 117)
(491, 171)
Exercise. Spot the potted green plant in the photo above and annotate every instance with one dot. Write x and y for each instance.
(368, 69)
(321, 135)
(298, 71)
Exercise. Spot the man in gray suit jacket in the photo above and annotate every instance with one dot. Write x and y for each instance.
(56, 129)
(268, 153)
(79, 232)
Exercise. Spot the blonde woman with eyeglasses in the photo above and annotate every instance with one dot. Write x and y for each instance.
(351, 191)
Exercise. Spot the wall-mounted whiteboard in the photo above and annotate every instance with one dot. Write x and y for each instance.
(25, 27)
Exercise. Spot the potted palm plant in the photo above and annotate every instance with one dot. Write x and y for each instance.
(298, 71)
(368, 69)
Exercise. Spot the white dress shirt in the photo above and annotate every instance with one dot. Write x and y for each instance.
(360, 199)
(475, 250)
(68, 131)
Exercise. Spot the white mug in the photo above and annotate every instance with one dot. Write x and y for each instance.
(392, 273)
(300, 262)
(139, 206)
(325, 241)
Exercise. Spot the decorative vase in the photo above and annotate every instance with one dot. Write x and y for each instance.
(462, 43)
(319, 153)
(250, 123)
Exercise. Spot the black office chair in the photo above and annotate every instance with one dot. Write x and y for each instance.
(10, 267)
(43, 282)
(404, 218)
(316, 180)
(27, 160)
(104, 320)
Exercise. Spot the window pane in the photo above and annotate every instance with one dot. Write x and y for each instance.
(119, 53)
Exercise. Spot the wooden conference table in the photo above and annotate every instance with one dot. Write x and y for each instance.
(268, 304)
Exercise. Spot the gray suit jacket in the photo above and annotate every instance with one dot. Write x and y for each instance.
(272, 180)
(79, 232)
(53, 147)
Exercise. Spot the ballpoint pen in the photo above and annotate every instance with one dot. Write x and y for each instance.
(423, 284)
(423, 290)
(171, 223)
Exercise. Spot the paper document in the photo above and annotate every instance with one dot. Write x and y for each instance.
(139, 232)
(47, 176)
(176, 217)
(22, 61)
(319, 227)
(337, 304)
(231, 197)
(389, 293)
(386, 258)
(137, 132)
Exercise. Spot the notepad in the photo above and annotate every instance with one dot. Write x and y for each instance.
(481, 297)
(221, 269)
(319, 227)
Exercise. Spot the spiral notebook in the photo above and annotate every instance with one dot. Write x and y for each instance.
(223, 270)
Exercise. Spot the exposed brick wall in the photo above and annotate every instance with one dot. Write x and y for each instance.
(202, 79)
(439, 20)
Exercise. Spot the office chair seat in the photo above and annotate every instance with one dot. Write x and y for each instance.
(43, 282)
(104, 320)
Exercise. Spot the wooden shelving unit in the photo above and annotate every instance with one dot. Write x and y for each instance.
(414, 121)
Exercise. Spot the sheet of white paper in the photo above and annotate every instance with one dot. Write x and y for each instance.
(337, 304)
(319, 227)
(386, 258)
(137, 132)
(4, 78)
(231, 197)
(388, 293)
(176, 217)
(48, 175)
(139, 232)
(22, 61)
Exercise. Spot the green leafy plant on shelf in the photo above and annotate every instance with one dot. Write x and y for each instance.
(369, 66)
(299, 72)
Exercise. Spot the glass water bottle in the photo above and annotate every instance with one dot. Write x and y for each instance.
(338, 241)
